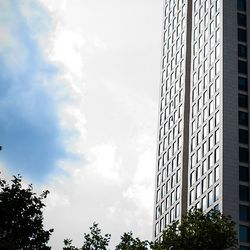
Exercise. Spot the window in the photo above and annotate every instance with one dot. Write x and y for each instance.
(157, 229)
(242, 35)
(198, 190)
(242, 67)
(244, 213)
(217, 155)
(192, 196)
(244, 248)
(241, 19)
(243, 101)
(192, 178)
(216, 193)
(204, 166)
(216, 173)
(243, 118)
(242, 51)
(243, 136)
(210, 179)
(244, 233)
(244, 193)
(243, 155)
(203, 186)
(241, 5)
(204, 203)
(210, 198)
(243, 173)
(242, 83)
(217, 136)
(177, 210)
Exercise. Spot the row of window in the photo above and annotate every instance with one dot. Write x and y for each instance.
(212, 123)
(200, 171)
(168, 202)
(205, 109)
(167, 219)
(244, 232)
(168, 185)
(169, 167)
(209, 140)
(199, 5)
(205, 113)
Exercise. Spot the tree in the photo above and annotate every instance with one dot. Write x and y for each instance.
(94, 240)
(21, 217)
(68, 245)
(200, 232)
(129, 243)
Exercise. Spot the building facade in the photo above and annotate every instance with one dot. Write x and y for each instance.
(203, 139)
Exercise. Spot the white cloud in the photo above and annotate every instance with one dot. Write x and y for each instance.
(100, 192)
(109, 104)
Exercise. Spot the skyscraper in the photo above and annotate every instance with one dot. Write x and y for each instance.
(203, 139)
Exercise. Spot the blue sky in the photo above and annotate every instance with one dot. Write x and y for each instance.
(78, 109)
(31, 136)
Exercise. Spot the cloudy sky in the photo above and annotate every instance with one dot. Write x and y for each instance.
(78, 109)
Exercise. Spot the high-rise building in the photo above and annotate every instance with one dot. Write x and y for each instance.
(203, 138)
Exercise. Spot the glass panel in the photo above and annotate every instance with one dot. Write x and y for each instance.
(242, 51)
(243, 136)
(243, 155)
(244, 193)
(242, 19)
(242, 83)
(244, 248)
(242, 67)
(241, 5)
(244, 233)
(243, 101)
(242, 35)
(243, 118)
(243, 173)
(244, 213)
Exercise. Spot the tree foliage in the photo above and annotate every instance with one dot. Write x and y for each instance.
(68, 245)
(200, 232)
(21, 217)
(128, 242)
(94, 240)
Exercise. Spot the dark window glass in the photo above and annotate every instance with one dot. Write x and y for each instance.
(242, 83)
(242, 51)
(244, 233)
(243, 154)
(244, 248)
(243, 118)
(243, 136)
(244, 213)
(244, 193)
(242, 20)
(217, 208)
(242, 67)
(242, 35)
(241, 5)
(243, 101)
(243, 173)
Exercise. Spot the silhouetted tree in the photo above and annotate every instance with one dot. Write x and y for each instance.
(21, 217)
(94, 240)
(128, 242)
(68, 245)
(200, 232)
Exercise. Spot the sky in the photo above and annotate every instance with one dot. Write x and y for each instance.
(78, 110)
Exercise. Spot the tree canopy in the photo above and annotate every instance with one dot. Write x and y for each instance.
(21, 227)
(21, 217)
(128, 242)
(95, 240)
(199, 231)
